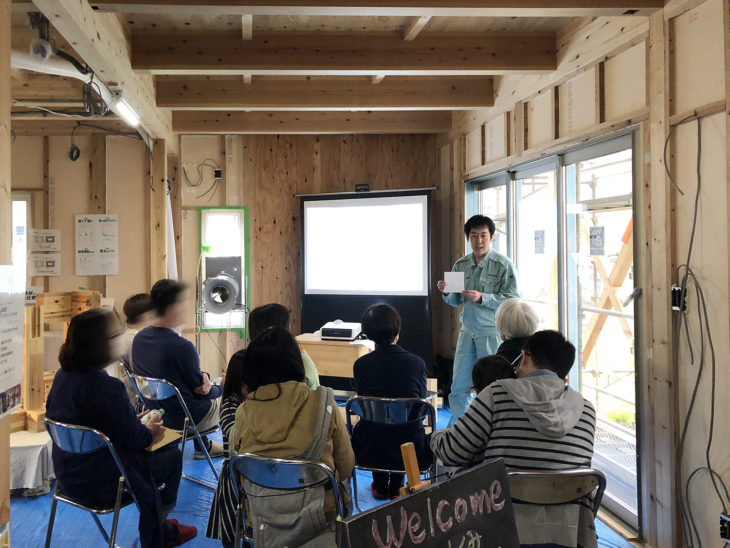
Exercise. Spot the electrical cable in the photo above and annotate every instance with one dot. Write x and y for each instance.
(199, 168)
(686, 275)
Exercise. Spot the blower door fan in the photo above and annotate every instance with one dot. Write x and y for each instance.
(220, 294)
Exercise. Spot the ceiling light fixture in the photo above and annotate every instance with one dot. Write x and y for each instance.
(123, 109)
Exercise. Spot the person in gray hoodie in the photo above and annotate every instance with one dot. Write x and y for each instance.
(534, 422)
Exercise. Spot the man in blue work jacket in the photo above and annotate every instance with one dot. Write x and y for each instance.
(489, 280)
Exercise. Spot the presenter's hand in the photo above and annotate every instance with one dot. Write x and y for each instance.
(471, 295)
(441, 285)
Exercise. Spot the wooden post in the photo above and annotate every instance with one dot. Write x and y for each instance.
(97, 198)
(5, 235)
(158, 224)
(661, 405)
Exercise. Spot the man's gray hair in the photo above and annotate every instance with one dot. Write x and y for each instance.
(516, 319)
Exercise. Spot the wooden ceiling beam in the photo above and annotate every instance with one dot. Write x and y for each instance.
(353, 54)
(225, 122)
(396, 93)
(101, 41)
(47, 126)
(396, 8)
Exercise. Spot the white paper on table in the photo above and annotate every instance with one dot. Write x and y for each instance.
(454, 282)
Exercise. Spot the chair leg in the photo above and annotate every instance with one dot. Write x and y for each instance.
(207, 455)
(101, 528)
(354, 491)
(117, 508)
(50, 521)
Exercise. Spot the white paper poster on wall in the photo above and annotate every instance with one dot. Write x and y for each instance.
(539, 242)
(598, 240)
(12, 303)
(44, 264)
(97, 245)
(45, 240)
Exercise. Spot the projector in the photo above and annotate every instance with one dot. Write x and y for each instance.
(340, 331)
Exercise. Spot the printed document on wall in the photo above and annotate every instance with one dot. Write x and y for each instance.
(97, 245)
(12, 303)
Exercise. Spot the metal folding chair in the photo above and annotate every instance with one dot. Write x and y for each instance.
(281, 474)
(149, 389)
(557, 486)
(82, 440)
(387, 411)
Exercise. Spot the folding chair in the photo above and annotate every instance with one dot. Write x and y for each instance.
(281, 474)
(149, 389)
(387, 411)
(82, 440)
(557, 486)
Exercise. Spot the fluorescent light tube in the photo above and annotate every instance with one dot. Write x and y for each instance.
(122, 108)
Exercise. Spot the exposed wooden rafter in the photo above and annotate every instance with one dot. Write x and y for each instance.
(415, 27)
(344, 54)
(224, 122)
(397, 93)
(247, 26)
(412, 8)
(101, 42)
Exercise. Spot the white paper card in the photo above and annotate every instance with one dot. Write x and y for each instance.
(454, 282)
(97, 245)
(46, 264)
(45, 240)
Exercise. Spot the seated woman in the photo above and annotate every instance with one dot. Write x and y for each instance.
(85, 395)
(516, 322)
(283, 418)
(221, 521)
(489, 369)
(388, 372)
(277, 315)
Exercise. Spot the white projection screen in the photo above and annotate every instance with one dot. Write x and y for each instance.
(366, 246)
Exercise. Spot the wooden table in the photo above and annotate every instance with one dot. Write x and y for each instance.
(332, 358)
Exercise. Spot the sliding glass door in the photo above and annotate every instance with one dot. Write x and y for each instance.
(571, 217)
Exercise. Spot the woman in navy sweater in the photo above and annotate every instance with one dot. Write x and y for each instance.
(84, 394)
(389, 371)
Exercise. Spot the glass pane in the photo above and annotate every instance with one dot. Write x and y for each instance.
(223, 233)
(605, 176)
(493, 204)
(537, 237)
(601, 262)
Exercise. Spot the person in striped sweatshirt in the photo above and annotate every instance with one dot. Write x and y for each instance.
(533, 422)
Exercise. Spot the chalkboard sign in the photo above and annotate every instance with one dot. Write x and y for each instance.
(472, 509)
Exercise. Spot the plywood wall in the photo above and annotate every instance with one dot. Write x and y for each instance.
(127, 175)
(61, 189)
(275, 168)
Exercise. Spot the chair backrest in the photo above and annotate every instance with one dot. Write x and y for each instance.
(283, 474)
(391, 411)
(557, 486)
(82, 440)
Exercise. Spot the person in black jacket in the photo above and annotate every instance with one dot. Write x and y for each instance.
(388, 372)
(516, 322)
(84, 394)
